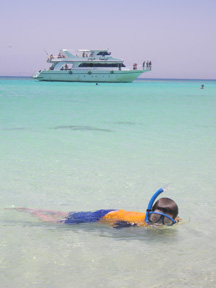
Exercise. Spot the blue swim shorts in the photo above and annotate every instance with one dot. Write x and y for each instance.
(86, 217)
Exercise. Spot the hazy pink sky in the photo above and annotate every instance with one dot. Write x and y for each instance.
(178, 36)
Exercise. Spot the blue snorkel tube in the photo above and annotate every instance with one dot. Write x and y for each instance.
(151, 202)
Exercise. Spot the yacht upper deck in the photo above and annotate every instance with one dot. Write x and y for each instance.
(83, 55)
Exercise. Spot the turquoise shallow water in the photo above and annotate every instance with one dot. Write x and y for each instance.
(78, 146)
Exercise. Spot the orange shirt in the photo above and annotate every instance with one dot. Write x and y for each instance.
(137, 218)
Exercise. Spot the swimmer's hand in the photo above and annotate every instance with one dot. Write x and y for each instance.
(123, 224)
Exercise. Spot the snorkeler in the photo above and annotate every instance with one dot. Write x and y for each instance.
(163, 212)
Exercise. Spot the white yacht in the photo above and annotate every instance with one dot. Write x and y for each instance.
(89, 66)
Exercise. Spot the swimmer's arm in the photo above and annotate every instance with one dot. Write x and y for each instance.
(123, 224)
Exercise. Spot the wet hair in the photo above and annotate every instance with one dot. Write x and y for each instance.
(167, 206)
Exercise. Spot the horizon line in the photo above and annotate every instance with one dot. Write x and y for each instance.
(138, 79)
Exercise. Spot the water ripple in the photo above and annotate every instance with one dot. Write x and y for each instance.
(83, 128)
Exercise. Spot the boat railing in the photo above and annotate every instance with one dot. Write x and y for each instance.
(140, 67)
(52, 57)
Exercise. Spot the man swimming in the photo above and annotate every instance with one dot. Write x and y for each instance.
(163, 212)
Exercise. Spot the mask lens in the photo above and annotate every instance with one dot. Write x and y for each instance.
(154, 218)
(167, 221)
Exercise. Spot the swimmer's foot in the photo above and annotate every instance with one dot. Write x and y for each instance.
(20, 209)
(23, 209)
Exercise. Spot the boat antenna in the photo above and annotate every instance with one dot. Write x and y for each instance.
(46, 52)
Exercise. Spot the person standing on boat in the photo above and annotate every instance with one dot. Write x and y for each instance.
(135, 66)
(150, 64)
(144, 65)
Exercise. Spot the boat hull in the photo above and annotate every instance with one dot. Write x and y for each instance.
(89, 75)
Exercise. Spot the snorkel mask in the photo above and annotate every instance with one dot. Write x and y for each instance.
(153, 217)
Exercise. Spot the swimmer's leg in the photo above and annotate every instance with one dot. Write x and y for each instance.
(49, 212)
(44, 215)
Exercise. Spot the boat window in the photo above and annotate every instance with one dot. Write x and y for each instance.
(104, 65)
(103, 53)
